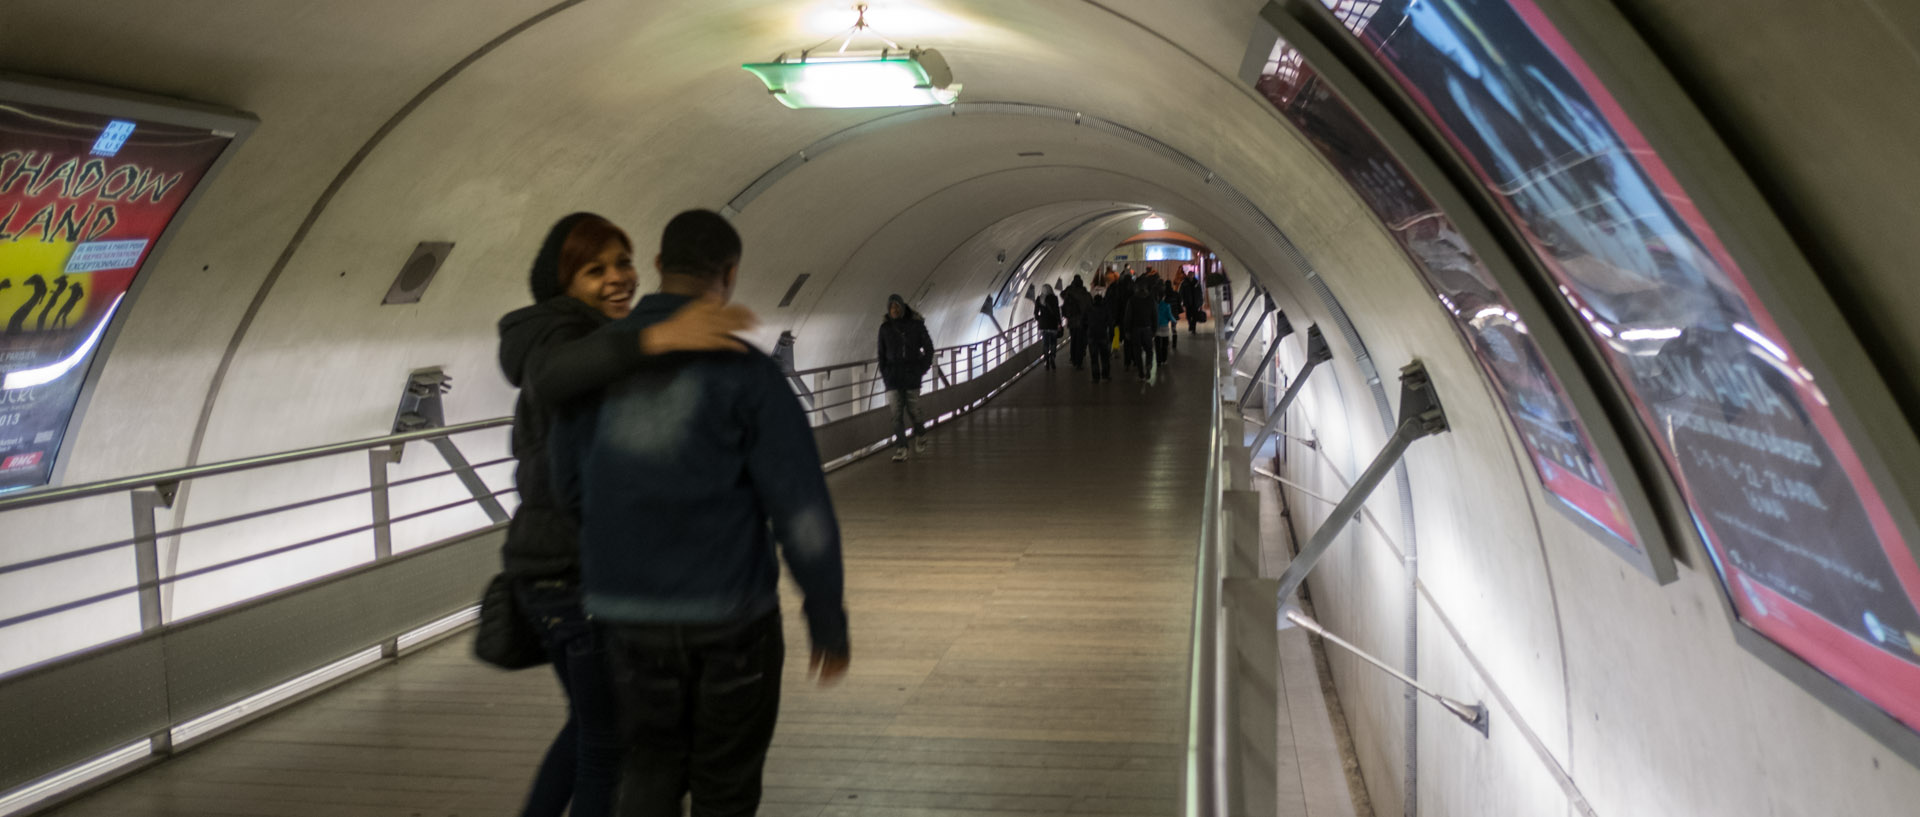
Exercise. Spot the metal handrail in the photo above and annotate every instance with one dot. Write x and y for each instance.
(15, 567)
(109, 486)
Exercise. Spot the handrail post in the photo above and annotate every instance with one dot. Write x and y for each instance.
(146, 550)
(1420, 416)
(1317, 353)
(377, 461)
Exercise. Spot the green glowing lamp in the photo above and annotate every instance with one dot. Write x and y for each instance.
(884, 79)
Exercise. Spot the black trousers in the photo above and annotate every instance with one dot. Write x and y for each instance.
(697, 707)
(1102, 359)
(1160, 345)
(1077, 344)
(1140, 351)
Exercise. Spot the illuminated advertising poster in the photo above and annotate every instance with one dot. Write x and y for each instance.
(1802, 540)
(1556, 440)
(83, 200)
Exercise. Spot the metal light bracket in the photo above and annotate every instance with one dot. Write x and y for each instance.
(1281, 329)
(1318, 352)
(1420, 416)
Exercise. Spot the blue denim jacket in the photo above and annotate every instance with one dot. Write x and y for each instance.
(685, 476)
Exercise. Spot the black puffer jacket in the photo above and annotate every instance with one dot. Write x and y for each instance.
(906, 350)
(552, 351)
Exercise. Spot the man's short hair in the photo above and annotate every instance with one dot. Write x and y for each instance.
(699, 243)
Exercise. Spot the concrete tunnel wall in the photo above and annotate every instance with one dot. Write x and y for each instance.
(638, 110)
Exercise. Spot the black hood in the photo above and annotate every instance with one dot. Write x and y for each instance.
(544, 278)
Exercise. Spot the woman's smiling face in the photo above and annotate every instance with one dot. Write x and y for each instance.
(607, 282)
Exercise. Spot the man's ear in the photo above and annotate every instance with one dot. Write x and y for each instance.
(656, 265)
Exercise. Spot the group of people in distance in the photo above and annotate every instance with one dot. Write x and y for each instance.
(1137, 314)
(661, 460)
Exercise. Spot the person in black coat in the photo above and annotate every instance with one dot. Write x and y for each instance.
(906, 353)
(1073, 305)
(1136, 329)
(1046, 313)
(1193, 296)
(1099, 320)
(582, 279)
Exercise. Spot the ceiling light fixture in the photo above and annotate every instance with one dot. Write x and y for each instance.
(1153, 222)
(888, 78)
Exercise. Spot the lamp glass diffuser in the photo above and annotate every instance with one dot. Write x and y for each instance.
(1153, 223)
(863, 81)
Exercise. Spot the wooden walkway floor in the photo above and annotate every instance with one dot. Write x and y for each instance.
(1021, 598)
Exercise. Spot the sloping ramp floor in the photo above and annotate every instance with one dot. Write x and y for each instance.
(1021, 597)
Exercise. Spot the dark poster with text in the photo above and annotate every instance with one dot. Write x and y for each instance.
(1802, 540)
(83, 200)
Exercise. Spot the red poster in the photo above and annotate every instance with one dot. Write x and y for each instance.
(84, 198)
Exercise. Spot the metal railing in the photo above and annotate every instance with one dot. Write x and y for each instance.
(845, 389)
(368, 529)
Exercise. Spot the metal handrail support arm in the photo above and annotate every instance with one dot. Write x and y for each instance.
(1282, 329)
(1420, 416)
(476, 486)
(1475, 714)
(1318, 352)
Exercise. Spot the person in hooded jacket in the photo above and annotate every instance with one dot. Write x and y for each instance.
(1046, 312)
(1099, 329)
(906, 353)
(1073, 304)
(1118, 295)
(1137, 319)
(582, 279)
(1193, 296)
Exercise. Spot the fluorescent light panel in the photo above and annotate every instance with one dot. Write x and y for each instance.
(856, 82)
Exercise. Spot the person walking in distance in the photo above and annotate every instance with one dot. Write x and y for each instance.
(1073, 305)
(582, 279)
(906, 353)
(1099, 321)
(1193, 296)
(1137, 319)
(1046, 313)
(687, 475)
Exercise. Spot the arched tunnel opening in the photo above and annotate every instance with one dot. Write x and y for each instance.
(1554, 350)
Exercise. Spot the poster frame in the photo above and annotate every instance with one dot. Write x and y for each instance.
(1746, 222)
(107, 101)
(1655, 558)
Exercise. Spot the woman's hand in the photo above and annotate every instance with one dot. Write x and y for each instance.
(705, 325)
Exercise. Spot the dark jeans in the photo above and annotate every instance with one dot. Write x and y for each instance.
(1140, 351)
(1049, 344)
(697, 705)
(1102, 358)
(906, 406)
(1193, 320)
(1160, 347)
(1077, 344)
(583, 764)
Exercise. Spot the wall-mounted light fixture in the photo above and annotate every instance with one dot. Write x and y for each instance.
(1153, 222)
(888, 78)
